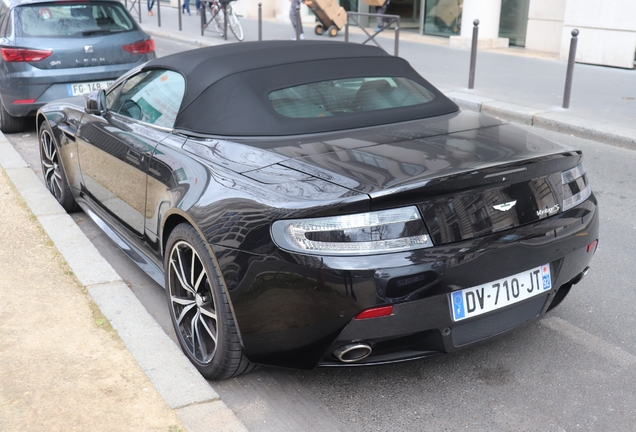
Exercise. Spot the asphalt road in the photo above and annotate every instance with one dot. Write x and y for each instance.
(574, 370)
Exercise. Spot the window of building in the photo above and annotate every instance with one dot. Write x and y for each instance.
(513, 21)
(442, 17)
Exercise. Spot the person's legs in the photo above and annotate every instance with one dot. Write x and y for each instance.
(151, 4)
(186, 6)
(293, 15)
(381, 10)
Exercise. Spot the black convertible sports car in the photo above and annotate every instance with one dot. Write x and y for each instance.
(321, 204)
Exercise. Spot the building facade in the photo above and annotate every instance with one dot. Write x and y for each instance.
(607, 29)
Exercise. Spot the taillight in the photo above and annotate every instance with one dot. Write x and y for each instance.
(142, 47)
(376, 312)
(576, 188)
(24, 54)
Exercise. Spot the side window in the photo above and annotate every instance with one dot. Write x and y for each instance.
(152, 97)
(111, 96)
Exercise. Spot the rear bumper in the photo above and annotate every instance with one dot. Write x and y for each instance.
(424, 328)
(46, 85)
(295, 311)
(417, 330)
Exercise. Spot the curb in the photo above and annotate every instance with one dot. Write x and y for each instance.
(200, 41)
(176, 380)
(555, 120)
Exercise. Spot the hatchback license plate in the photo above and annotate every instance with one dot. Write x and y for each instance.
(84, 88)
(470, 302)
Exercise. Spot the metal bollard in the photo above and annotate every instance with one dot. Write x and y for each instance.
(179, 13)
(397, 38)
(473, 55)
(260, 21)
(570, 71)
(225, 20)
(204, 19)
(139, 10)
(347, 28)
(159, 13)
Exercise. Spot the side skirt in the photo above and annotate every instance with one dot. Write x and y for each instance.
(134, 253)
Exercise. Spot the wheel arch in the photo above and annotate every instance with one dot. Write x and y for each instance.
(40, 118)
(170, 223)
(173, 220)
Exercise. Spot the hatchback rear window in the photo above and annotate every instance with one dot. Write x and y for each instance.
(71, 19)
(349, 95)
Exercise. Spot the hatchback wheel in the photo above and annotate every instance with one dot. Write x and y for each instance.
(199, 308)
(54, 177)
(8, 123)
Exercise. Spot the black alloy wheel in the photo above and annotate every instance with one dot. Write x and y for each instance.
(54, 177)
(199, 308)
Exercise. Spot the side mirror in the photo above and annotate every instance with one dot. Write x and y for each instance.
(96, 103)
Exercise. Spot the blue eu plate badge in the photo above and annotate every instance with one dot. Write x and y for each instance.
(458, 305)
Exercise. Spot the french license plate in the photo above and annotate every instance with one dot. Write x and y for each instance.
(84, 88)
(470, 302)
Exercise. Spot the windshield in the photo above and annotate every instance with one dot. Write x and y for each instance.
(350, 95)
(71, 19)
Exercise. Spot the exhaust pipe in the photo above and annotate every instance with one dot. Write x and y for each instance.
(353, 352)
(578, 278)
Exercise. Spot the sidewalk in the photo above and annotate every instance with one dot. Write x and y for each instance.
(64, 317)
(63, 367)
(512, 83)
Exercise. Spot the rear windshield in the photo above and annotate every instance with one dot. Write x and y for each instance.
(350, 95)
(71, 20)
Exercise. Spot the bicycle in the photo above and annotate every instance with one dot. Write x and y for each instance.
(215, 9)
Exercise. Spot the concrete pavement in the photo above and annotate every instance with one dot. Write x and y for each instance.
(513, 84)
(185, 392)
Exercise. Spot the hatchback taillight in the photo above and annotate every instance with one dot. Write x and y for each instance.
(142, 47)
(24, 54)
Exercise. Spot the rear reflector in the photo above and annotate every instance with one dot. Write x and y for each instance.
(375, 312)
(592, 246)
(142, 47)
(23, 101)
(24, 54)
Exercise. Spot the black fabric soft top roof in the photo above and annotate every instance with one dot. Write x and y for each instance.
(227, 87)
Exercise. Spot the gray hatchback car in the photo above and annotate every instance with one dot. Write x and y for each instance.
(52, 50)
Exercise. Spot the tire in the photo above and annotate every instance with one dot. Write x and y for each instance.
(53, 171)
(199, 307)
(333, 31)
(319, 30)
(8, 123)
(234, 24)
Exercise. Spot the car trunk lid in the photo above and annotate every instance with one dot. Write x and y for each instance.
(466, 184)
(470, 175)
(100, 50)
